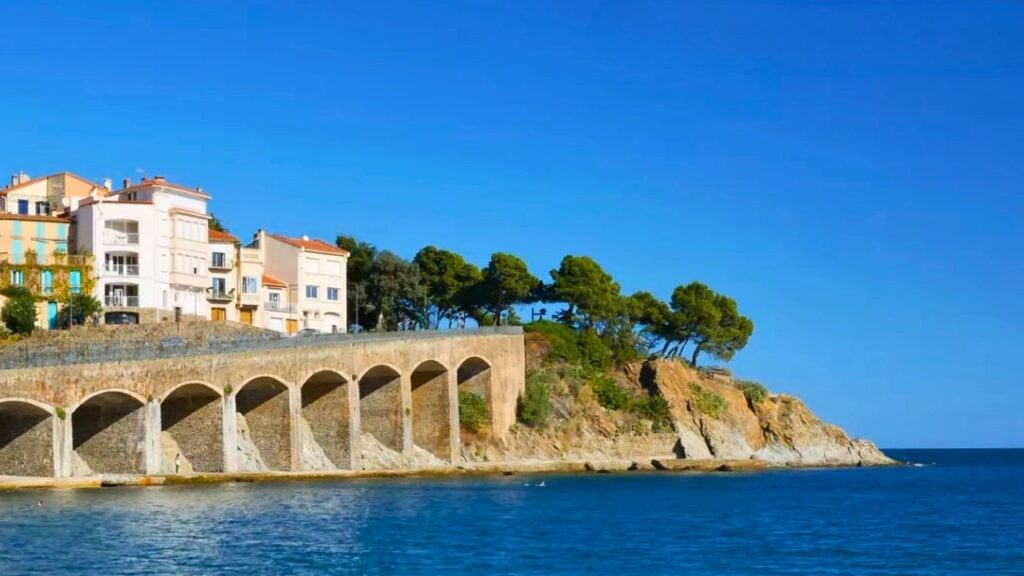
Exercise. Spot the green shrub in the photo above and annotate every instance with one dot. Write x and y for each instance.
(561, 338)
(754, 391)
(593, 351)
(609, 394)
(19, 312)
(534, 406)
(473, 412)
(709, 402)
(656, 409)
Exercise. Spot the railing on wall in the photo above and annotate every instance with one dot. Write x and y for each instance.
(194, 340)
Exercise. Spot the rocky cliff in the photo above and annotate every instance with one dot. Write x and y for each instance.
(711, 417)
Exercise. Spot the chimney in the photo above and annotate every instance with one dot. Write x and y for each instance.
(159, 179)
(127, 182)
(19, 178)
(108, 184)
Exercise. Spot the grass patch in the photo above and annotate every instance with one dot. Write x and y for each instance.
(609, 394)
(708, 401)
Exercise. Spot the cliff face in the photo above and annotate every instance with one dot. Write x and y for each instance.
(777, 429)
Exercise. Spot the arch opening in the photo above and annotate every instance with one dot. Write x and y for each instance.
(380, 406)
(191, 430)
(26, 439)
(431, 423)
(262, 416)
(325, 415)
(109, 435)
(474, 377)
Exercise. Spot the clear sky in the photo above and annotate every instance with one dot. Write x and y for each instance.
(850, 172)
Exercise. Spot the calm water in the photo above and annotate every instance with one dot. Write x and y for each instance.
(962, 515)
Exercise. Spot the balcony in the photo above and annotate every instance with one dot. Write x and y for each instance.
(250, 255)
(120, 301)
(121, 239)
(248, 299)
(272, 306)
(222, 263)
(220, 296)
(130, 270)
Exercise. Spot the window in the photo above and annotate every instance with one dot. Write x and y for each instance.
(332, 293)
(22, 206)
(249, 285)
(312, 292)
(274, 297)
(42, 208)
(75, 281)
(17, 277)
(312, 265)
(46, 279)
(219, 286)
(218, 260)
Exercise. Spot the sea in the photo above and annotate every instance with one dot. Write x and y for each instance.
(946, 512)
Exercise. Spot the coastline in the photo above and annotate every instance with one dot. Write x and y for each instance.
(659, 465)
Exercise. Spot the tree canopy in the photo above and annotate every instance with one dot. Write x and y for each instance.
(447, 279)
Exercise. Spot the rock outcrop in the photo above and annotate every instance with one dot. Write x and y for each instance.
(778, 429)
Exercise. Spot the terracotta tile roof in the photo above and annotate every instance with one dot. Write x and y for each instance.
(34, 218)
(269, 280)
(218, 236)
(311, 245)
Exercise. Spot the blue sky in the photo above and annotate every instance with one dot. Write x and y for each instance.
(850, 172)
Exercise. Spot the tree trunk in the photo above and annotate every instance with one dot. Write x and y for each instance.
(696, 351)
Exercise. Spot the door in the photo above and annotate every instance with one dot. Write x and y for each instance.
(51, 315)
(293, 326)
(246, 317)
(218, 314)
(277, 324)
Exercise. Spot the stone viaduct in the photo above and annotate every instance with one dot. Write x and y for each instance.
(275, 404)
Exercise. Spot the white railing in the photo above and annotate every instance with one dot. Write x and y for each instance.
(122, 269)
(123, 301)
(273, 306)
(122, 239)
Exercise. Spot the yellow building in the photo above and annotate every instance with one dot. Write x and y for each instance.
(34, 254)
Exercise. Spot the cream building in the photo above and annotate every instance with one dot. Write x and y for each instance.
(311, 276)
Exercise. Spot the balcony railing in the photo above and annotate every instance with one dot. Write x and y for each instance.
(249, 299)
(122, 269)
(121, 301)
(224, 264)
(273, 306)
(220, 295)
(123, 239)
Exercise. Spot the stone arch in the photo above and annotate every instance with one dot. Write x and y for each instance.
(326, 412)
(431, 422)
(26, 438)
(474, 376)
(108, 433)
(192, 429)
(380, 405)
(263, 420)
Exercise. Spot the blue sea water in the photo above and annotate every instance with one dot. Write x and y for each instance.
(962, 513)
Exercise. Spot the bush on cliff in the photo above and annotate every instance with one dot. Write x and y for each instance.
(593, 351)
(609, 394)
(561, 338)
(656, 409)
(473, 412)
(19, 311)
(754, 391)
(534, 406)
(708, 401)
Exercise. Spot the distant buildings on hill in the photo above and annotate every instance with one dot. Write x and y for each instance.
(147, 253)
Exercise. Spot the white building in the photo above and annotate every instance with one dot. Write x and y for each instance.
(151, 250)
